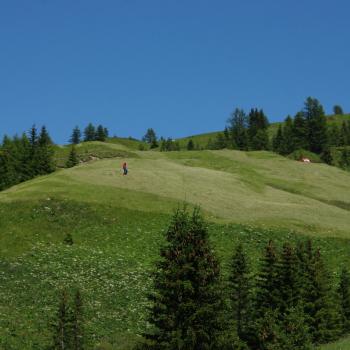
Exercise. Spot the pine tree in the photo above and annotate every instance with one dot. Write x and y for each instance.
(268, 282)
(220, 141)
(289, 292)
(317, 297)
(240, 293)
(100, 134)
(338, 110)
(260, 141)
(277, 140)
(300, 132)
(326, 156)
(190, 145)
(72, 158)
(345, 158)
(344, 297)
(237, 127)
(316, 125)
(334, 135)
(76, 136)
(288, 145)
(186, 300)
(344, 135)
(45, 153)
(151, 138)
(89, 133)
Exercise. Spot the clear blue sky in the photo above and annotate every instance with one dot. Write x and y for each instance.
(178, 66)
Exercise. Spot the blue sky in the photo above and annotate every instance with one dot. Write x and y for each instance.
(179, 66)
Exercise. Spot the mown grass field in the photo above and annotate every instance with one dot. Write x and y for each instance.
(118, 222)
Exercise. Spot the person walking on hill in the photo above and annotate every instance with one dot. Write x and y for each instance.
(125, 169)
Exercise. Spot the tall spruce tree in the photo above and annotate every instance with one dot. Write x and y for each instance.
(100, 134)
(187, 298)
(316, 125)
(277, 140)
(300, 132)
(240, 293)
(344, 297)
(89, 133)
(76, 136)
(45, 153)
(288, 141)
(318, 299)
(237, 126)
(73, 158)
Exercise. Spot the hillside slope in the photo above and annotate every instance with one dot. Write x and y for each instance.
(117, 224)
(232, 186)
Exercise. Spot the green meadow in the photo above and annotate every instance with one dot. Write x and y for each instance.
(118, 222)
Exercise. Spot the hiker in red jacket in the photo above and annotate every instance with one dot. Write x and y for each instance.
(125, 169)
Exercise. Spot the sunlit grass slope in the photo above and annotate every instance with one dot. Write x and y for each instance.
(230, 186)
(343, 344)
(117, 223)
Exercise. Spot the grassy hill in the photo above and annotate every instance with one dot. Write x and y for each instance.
(117, 223)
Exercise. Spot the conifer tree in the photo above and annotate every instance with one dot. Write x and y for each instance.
(344, 297)
(300, 132)
(288, 145)
(318, 299)
(240, 293)
(76, 136)
(277, 140)
(338, 110)
(237, 127)
(316, 125)
(334, 135)
(344, 134)
(89, 133)
(100, 134)
(186, 299)
(268, 282)
(45, 153)
(289, 293)
(72, 158)
(151, 138)
(190, 145)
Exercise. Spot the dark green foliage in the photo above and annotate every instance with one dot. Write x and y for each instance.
(318, 299)
(344, 297)
(101, 134)
(345, 158)
(344, 134)
(316, 125)
(337, 109)
(237, 128)
(326, 156)
(73, 158)
(22, 158)
(68, 328)
(169, 145)
(76, 136)
(186, 298)
(257, 130)
(277, 141)
(300, 132)
(220, 141)
(151, 138)
(190, 145)
(90, 133)
(240, 293)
